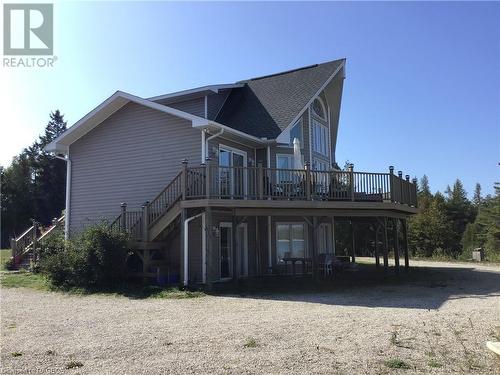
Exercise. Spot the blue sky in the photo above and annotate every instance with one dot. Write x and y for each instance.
(423, 79)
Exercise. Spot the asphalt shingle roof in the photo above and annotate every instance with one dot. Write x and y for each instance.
(265, 106)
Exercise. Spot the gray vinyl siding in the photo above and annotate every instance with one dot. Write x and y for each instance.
(130, 157)
(193, 106)
(215, 103)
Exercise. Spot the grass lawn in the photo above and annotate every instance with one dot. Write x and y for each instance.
(24, 280)
(132, 290)
(5, 254)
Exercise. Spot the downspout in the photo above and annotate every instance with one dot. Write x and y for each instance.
(68, 194)
(209, 139)
(186, 247)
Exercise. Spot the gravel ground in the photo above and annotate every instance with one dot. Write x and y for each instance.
(426, 324)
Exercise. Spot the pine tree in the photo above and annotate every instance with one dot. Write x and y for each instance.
(33, 186)
(461, 212)
(424, 188)
(477, 199)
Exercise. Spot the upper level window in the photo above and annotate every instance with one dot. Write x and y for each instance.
(296, 132)
(320, 138)
(319, 109)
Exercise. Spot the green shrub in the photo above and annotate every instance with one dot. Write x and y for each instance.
(96, 258)
(9, 264)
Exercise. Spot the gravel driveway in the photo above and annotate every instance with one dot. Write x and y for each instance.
(434, 327)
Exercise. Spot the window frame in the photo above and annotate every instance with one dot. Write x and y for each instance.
(324, 131)
(323, 107)
(291, 240)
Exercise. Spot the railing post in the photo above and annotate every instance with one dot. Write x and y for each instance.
(35, 239)
(391, 183)
(307, 168)
(201, 189)
(145, 221)
(400, 175)
(184, 179)
(208, 177)
(13, 246)
(123, 217)
(414, 188)
(260, 181)
(408, 188)
(350, 168)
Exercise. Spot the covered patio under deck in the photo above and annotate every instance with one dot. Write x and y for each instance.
(373, 229)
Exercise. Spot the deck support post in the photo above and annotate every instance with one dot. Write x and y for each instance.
(234, 246)
(258, 248)
(314, 252)
(181, 242)
(377, 260)
(386, 247)
(209, 244)
(353, 246)
(405, 234)
(396, 245)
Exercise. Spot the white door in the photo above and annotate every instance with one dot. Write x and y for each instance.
(242, 249)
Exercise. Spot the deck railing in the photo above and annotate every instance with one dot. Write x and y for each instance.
(218, 182)
(259, 183)
(27, 240)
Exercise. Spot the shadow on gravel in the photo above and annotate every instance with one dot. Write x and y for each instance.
(419, 287)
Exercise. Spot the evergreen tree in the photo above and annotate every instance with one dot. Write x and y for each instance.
(424, 188)
(477, 199)
(431, 231)
(33, 186)
(461, 212)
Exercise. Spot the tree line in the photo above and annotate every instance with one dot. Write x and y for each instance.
(451, 225)
(34, 185)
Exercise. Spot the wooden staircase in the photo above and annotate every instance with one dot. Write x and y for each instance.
(155, 217)
(24, 246)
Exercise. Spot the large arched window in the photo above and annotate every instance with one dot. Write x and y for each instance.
(319, 108)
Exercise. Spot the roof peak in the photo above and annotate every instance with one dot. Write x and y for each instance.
(290, 71)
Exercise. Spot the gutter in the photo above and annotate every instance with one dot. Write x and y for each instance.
(186, 247)
(205, 144)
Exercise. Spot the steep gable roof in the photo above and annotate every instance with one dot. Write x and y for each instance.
(265, 106)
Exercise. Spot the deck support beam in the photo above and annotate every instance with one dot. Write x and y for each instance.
(377, 260)
(235, 255)
(314, 248)
(209, 244)
(396, 245)
(181, 242)
(353, 247)
(405, 233)
(386, 248)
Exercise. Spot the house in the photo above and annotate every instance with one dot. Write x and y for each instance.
(229, 181)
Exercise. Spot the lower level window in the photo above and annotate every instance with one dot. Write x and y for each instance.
(290, 240)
